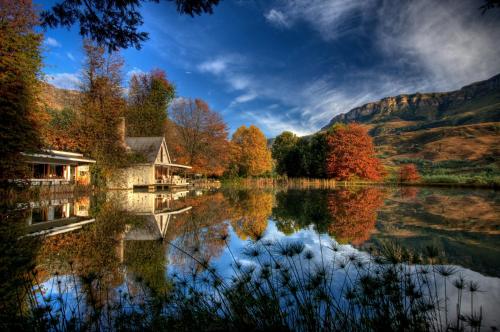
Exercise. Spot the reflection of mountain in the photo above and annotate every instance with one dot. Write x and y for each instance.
(463, 225)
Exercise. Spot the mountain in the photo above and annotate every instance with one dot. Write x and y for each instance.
(474, 103)
(460, 127)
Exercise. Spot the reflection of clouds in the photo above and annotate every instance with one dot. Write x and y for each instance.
(488, 298)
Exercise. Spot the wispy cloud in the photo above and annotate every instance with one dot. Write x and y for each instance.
(277, 18)
(70, 56)
(70, 81)
(49, 41)
(450, 43)
(243, 98)
(330, 17)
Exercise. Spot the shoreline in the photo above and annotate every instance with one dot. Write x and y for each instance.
(330, 183)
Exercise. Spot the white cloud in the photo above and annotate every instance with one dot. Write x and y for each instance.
(70, 56)
(49, 41)
(277, 18)
(134, 71)
(216, 66)
(70, 81)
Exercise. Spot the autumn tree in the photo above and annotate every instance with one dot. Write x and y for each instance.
(20, 63)
(251, 155)
(351, 154)
(408, 173)
(102, 106)
(199, 137)
(60, 131)
(148, 100)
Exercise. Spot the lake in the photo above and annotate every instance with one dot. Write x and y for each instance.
(89, 250)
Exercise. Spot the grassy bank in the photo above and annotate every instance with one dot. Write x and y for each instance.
(463, 181)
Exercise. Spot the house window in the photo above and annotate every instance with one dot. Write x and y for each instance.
(161, 153)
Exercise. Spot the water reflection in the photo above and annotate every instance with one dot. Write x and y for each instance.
(138, 240)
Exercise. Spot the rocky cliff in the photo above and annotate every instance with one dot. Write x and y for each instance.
(431, 106)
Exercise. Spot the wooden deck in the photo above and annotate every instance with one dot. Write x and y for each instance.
(159, 186)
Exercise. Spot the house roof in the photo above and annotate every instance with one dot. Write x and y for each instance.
(58, 157)
(148, 230)
(148, 146)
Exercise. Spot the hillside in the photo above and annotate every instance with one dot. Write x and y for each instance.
(56, 99)
(451, 132)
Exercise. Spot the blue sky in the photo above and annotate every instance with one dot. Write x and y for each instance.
(294, 64)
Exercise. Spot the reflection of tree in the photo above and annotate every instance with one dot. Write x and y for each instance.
(16, 260)
(354, 213)
(296, 209)
(146, 260)
(199, 231)
(92, 253)
(250, 211)
(409, 193)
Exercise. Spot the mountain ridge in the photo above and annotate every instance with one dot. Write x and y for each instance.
(429, 106)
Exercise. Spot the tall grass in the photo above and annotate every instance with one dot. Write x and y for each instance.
(273, 285)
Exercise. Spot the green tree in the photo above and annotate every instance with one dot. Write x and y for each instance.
(317, 148)
(149, 97)
(283, 146)
(251, 157)
(20, 63)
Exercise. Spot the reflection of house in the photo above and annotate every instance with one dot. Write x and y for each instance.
(154, 227)
(156, 211)
(53, 217)
(143, 203)
(58, 167)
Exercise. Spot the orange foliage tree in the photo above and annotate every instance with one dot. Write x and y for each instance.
(354, 214)
(408, 173)
(251, 156)
(199, 137)
(20, 62)
(351, 154)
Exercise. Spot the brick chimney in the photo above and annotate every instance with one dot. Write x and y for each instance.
(121, 131)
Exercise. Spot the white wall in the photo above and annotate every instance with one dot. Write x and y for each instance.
(136, 175)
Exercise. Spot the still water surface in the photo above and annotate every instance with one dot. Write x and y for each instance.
(144, 237)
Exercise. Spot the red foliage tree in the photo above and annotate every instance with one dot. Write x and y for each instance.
(351, 154)
(408, 173)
